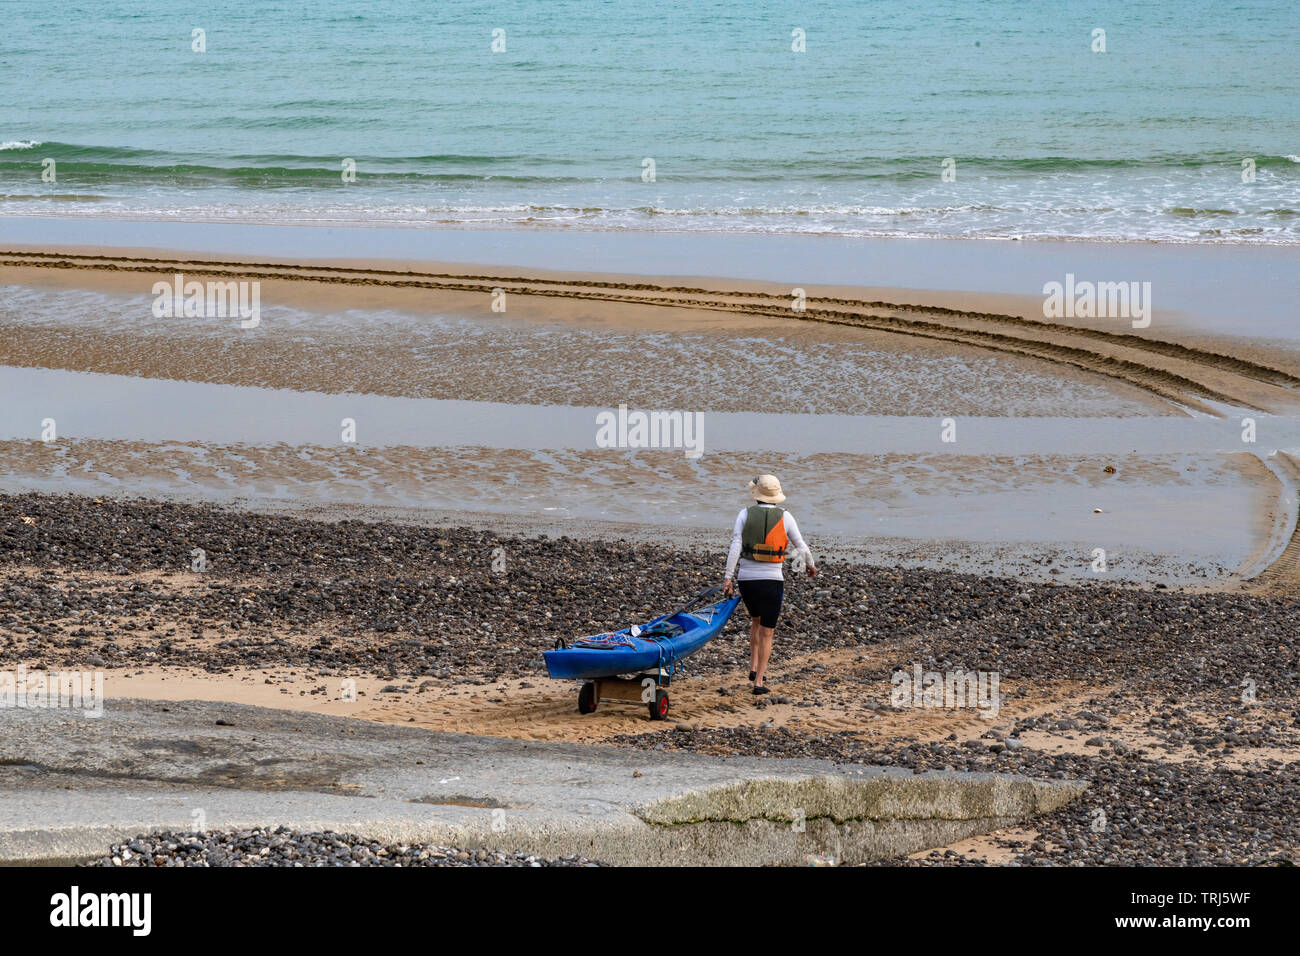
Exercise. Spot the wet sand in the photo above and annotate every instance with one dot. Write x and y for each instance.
(1173, 519)
(604, 354)
(1211, 289)
(1093, 453)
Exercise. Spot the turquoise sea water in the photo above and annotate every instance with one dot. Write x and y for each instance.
(1048, 137)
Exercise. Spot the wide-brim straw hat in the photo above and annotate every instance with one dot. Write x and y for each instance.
(767, 489)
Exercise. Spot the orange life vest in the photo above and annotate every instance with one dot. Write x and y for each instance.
(764, 537)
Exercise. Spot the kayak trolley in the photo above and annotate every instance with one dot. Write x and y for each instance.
(648, 689)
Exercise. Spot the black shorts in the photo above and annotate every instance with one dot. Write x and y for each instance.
(763, 600)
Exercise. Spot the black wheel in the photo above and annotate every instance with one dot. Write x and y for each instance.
(587, 698)
(659, 706)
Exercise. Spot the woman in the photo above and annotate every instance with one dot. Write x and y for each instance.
(759, 542)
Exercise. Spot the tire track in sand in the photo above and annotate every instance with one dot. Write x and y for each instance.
(1282, 577)
(1183, 375)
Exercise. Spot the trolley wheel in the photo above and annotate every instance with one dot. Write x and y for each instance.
(659, 706)
(587, 698)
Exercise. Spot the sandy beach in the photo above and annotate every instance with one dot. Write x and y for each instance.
(370, 563)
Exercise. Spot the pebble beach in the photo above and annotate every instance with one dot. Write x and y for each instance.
(293, 848)
(1134, 689)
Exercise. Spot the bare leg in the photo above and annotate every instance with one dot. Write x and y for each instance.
(764, 652)
(754, 628)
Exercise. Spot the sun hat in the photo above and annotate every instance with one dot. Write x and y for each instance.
(767, 489)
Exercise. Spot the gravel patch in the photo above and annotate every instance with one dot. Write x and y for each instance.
(394, 600)
(285, 847)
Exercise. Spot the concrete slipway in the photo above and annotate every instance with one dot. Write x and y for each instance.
(70, 785)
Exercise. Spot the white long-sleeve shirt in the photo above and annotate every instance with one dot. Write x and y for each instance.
(751, 570)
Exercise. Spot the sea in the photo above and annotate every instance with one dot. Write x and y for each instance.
(1167, 121)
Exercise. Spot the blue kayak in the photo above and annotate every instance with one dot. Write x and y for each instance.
(656, 645)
